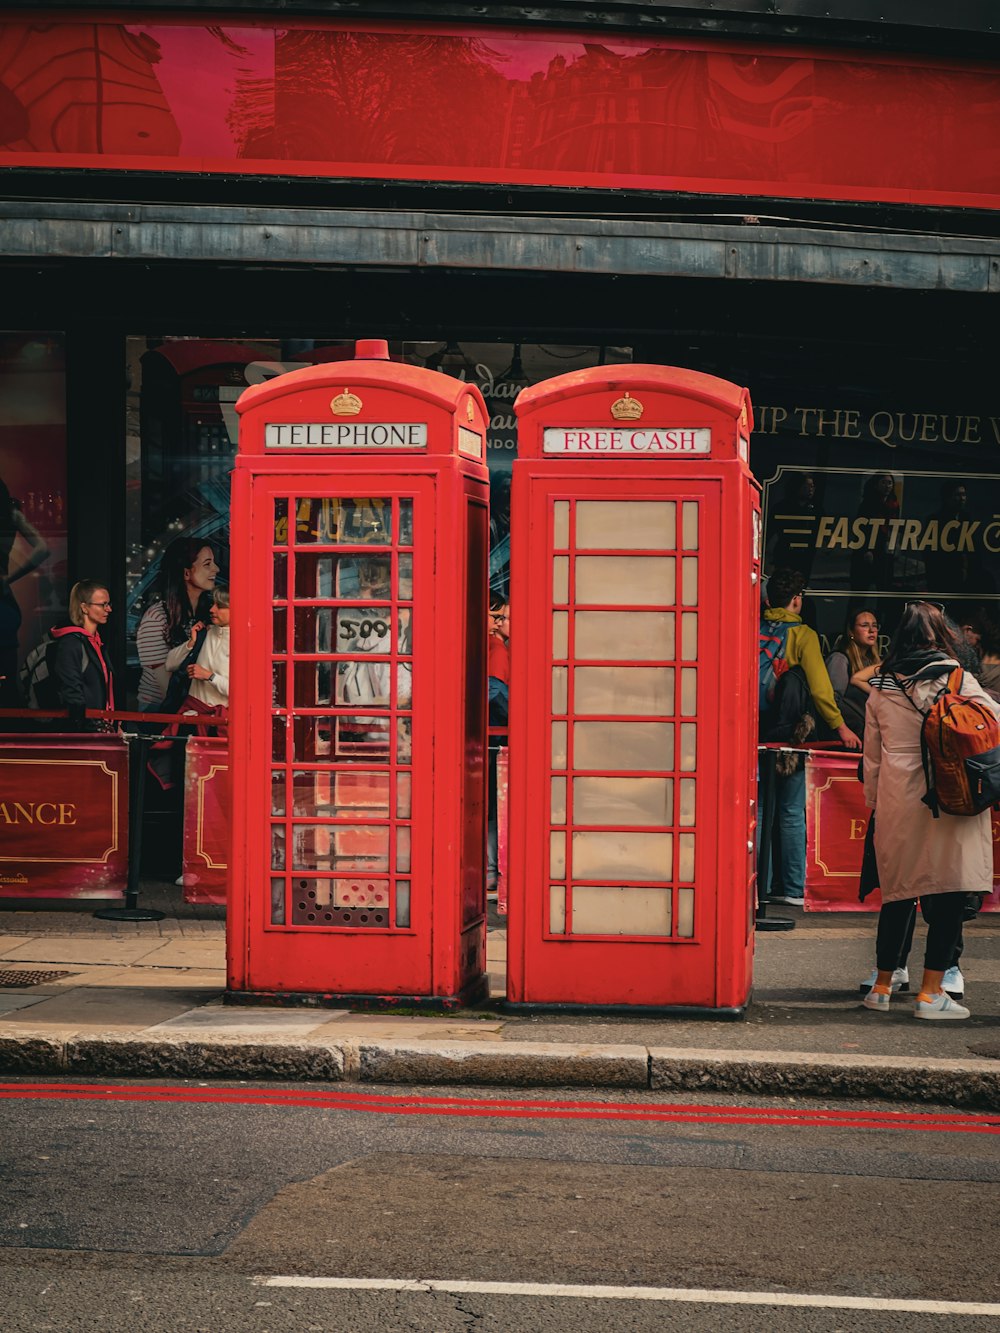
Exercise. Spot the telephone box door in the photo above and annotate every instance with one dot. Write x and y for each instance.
(632, 607)
(343, 655)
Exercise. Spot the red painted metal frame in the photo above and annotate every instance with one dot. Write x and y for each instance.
(522, 106)
(440, 956)
(711, 970)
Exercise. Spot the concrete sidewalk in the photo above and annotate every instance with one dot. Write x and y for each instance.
(90, 997)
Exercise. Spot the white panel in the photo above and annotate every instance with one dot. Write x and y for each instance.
(625, 580)
(622, 746)
(557, 801)
(560, 633)
(560, 524)
(620, 911)
(689, 747)
(623, 855)
(685, 858)
(559, 696)
(626, 525)
(558, 744)
(689, 580)
(689, 691)
(689, 636)
(557, 909)
(689, 525)
(624, 636)
(619, 691)
(628, 802)
(557, 855)
(560, 580)
(686, 819)
(685, 913)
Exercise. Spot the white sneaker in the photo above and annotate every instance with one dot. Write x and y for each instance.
(941, 1006)
(900, 980)
(954, 983)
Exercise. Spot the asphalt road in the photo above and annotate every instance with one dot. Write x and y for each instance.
(193, 1206)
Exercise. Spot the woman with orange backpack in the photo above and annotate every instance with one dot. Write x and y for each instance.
(936, 857)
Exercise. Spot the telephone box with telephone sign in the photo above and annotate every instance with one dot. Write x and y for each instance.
(360, 531)
(634, 607)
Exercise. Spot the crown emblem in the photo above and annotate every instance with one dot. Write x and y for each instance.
(346, 404)
(470, 411)
(627, 408)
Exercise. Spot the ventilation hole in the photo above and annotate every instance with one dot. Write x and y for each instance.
(310, 916)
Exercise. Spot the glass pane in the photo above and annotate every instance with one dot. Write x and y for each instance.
(686, 818)
(689, 580)
(404, 740)
(313, 684)
(314, 629)
(558, 744)
(278, 685)
(557, 801)
(403, 849)
(689, 692)
(557, 909)
(277, 846)
(624, 636)
(560, 633)
(277, 902)
(632, 802)
(685, 857)
(689, 636)
(325, 793)
(280, 577)
(360, 629)
(346, 739)
(625, 580)
(689, 525)
(348, 576)
(560, 524)
(331, 847)
(280, 522)
(406, 522)
(628, 525)
(403, 802)
(685, 913)
(406, 577)
(404, 639)
(620, 855)
(363, 683)
(620, 911)
(278, 791)
(559, 674)
(560, 579)
(403, 902)
(278, 735)
(644, 691)
(620, 746)
(353, 522)
(689, 747)
(280, 630)
(557, 855)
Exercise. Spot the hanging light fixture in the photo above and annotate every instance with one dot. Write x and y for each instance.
(451, 360)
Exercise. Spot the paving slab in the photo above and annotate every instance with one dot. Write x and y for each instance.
(74, 949)
(111, 1007)
(188, 953)
(212, 980)
(228, 1022)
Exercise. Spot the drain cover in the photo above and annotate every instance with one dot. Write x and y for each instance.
(26, 978)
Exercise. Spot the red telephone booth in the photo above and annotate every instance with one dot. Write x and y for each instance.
(360, 533)
(634, 606)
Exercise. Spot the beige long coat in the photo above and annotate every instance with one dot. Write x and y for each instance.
(917, 854)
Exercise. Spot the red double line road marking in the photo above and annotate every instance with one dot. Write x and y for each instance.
(385, 1104)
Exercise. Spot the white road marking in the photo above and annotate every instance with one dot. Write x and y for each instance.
(692, 1295)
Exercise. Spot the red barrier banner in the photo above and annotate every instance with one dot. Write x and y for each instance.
(63, 816)
(836, 822)
(207, 810)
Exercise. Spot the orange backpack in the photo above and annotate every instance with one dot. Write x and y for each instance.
(959, 742)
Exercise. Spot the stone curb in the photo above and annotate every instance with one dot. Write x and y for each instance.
(967, 1083)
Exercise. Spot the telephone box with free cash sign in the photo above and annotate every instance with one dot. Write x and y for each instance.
(634, 609)
(360, 531)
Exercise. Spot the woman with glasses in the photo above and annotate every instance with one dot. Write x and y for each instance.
(82, 666)
(938, 861)
(852, 665)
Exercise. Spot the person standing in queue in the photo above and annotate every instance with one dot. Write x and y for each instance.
(498, 682)
(936, 860)
(187, 577)
(82, 666)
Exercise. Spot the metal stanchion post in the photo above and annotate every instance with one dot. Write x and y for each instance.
(138, 749)
(766, 801)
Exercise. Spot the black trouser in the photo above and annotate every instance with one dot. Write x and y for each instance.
(943, 913)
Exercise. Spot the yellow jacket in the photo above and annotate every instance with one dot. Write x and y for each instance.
(802, 649)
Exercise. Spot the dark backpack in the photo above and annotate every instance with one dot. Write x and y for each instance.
(772, 663)
(960, 748)
(37, 677)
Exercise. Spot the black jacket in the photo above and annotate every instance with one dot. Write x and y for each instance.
(79, 674)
